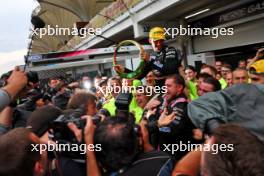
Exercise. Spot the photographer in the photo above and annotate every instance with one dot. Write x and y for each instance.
(40, 124)
(124, 150)
(15, 83)
(82, 99)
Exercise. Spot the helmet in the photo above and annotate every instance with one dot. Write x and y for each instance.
(257, 67)
(157, 33)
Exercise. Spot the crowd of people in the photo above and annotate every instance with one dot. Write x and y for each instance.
(137, 126)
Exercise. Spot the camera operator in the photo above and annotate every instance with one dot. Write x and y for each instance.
(23, 111)
(15, 83)
(40, 124)
(25, 102)
(68, 129)
(125, 150)
(82, 99)
(62, 95)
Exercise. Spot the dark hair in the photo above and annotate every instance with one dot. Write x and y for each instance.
(80, 100)
(213, 81)
(40, 119)
(203, 75)
(178, 79)
(97, 77)
(17, 157)
(115, 78)
(242, 60)
(246, 158)
(119, 144)
(189, 67)
(103, 82)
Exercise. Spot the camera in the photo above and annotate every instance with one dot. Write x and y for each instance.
(122, 104)
(60, 130)
(31, 75)
(61, 133)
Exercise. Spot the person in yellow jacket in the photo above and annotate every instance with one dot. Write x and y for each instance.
(133, 106)
(191, 82)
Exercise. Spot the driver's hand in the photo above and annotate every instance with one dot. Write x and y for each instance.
(119, 68)
(260, 53)
(145, 56)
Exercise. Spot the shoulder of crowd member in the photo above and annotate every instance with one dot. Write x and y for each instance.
(210, 105)
(238, 89)
(151, 163)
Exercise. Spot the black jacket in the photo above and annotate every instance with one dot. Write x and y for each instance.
(178, 131)
(163, 63)
(153, 163)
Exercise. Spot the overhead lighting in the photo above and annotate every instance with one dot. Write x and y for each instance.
(197, 13)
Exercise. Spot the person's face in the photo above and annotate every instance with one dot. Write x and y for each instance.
(91, 108)
(97, 81)
(141, 99)
(218, 65)
(99, 93)
(172, 88)
(127, 82)
(53, 83)
(150, 79)
(242, 64)
(116, 86)
(204, 88)
(225, 71)
(218, 76)
(189, 74)
(240, 76)
(199, 81)
(156, 45)
(85, 78)
(40, 103)
(229, 79)
(257, 79)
